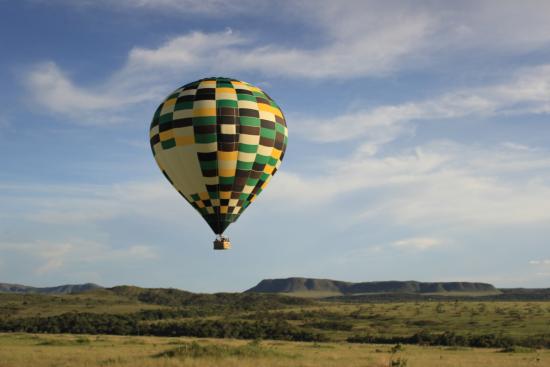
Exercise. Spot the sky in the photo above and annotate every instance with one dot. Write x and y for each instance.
(419, 141)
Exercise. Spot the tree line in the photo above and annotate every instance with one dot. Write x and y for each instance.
(450, 338)
(132, 324)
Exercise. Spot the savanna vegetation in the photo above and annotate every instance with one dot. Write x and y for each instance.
(62, 350)
(161, 317)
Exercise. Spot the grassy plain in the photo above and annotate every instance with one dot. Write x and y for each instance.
(335, 320)
(38, 350)
(258, 316)
(462, 317)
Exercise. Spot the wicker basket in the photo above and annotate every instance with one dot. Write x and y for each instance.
(222, 244)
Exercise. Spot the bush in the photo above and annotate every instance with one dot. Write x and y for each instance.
(397, 348)
(331, 325)
(451, 339)
(89, 323)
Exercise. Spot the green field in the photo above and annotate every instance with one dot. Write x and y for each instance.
(21, 350)
(163, 327)
(98, 301)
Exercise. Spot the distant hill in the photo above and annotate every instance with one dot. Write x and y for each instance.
(177, 298)
(60, 289)
(327, 287)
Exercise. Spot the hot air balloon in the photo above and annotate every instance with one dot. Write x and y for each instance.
(219, 141)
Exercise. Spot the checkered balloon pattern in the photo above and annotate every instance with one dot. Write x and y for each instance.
(219, 141)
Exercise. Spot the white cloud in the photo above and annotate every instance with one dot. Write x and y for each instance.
(501, 188)
(438, 184)
(360, 171)
(53, 89)
(374, 40)
(82, 231)
(479, 25)
(149, 73)
(190, 6)
(179, 7)
(418, 243)
(80, 204)
(193, 50)
(56, 256)
(57, 91)
(540, 262)
(379, 125)
(142, 82)
(528, 92)
(458, 26)
(375, 46)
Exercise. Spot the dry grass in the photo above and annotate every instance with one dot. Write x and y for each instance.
(22, 350)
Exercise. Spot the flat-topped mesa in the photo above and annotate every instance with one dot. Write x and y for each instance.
(297, 284)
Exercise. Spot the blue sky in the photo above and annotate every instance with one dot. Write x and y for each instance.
(419, 141)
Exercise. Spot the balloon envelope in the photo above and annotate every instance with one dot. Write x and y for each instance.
(219, 141)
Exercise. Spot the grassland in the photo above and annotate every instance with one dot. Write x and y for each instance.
(21, 350)
(268, 316)
(116, 320)
(98, 301)
(462, 317)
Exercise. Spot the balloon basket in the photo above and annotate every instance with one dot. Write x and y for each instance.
(222, 243)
